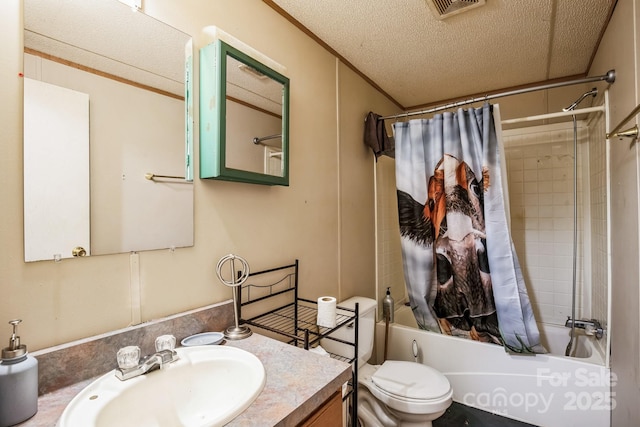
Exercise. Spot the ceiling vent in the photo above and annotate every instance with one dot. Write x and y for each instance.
(445, 8)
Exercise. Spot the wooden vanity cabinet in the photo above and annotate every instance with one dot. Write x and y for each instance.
(329, 414)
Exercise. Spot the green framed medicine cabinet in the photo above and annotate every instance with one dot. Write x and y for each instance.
(244, 118)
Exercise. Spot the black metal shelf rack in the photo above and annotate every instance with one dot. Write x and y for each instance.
(293, 318)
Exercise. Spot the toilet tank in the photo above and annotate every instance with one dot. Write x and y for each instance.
(366, 326)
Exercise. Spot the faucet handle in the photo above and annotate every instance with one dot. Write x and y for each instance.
(165, 342)
(128, 357)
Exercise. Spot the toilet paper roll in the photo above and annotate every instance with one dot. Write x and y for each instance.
(327, 312)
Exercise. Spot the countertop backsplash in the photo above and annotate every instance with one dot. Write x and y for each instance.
(70, 363)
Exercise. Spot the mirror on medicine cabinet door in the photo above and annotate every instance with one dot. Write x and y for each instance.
(244, 118)
(107, 101)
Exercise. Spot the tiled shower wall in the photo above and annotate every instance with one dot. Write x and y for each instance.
(540, 179)
(540, 172)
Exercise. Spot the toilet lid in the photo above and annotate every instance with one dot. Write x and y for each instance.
(411, 380)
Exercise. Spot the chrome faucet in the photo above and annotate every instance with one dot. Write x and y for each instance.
(591, 327)
(147, 364)
(130, 365)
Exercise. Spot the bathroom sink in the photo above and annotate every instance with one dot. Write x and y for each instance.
(206, 386)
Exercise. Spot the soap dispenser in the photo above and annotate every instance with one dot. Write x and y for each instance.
(388, 306)
(18, 381)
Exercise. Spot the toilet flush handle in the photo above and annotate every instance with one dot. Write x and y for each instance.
(414, 347)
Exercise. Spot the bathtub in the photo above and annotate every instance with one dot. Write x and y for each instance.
(546, 390)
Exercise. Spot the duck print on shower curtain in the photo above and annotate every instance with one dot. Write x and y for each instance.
(462, 274)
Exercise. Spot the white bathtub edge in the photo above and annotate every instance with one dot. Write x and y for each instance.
(543, 390)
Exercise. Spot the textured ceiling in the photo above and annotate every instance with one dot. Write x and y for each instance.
(419, 60)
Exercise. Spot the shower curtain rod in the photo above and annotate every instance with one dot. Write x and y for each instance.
(609, 77)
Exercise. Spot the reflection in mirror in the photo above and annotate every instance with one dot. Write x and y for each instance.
(104, 105)
(254, 120)
(249, 138)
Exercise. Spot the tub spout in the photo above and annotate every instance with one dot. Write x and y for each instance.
(591, 327)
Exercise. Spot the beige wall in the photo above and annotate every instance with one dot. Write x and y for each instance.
(617, 51)
(325, 217)
(356, 176)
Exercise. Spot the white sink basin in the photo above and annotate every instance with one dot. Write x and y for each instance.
(207, 386)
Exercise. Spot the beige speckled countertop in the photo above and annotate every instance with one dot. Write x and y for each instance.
(298, 382)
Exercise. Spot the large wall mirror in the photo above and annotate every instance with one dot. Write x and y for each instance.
(107, 130)
(244, 118)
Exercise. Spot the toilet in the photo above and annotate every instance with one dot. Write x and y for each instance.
(396, 393)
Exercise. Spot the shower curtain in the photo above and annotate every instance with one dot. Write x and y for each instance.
(462, 274)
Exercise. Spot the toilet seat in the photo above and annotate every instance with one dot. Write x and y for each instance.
(409, 387)
(410, 381)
